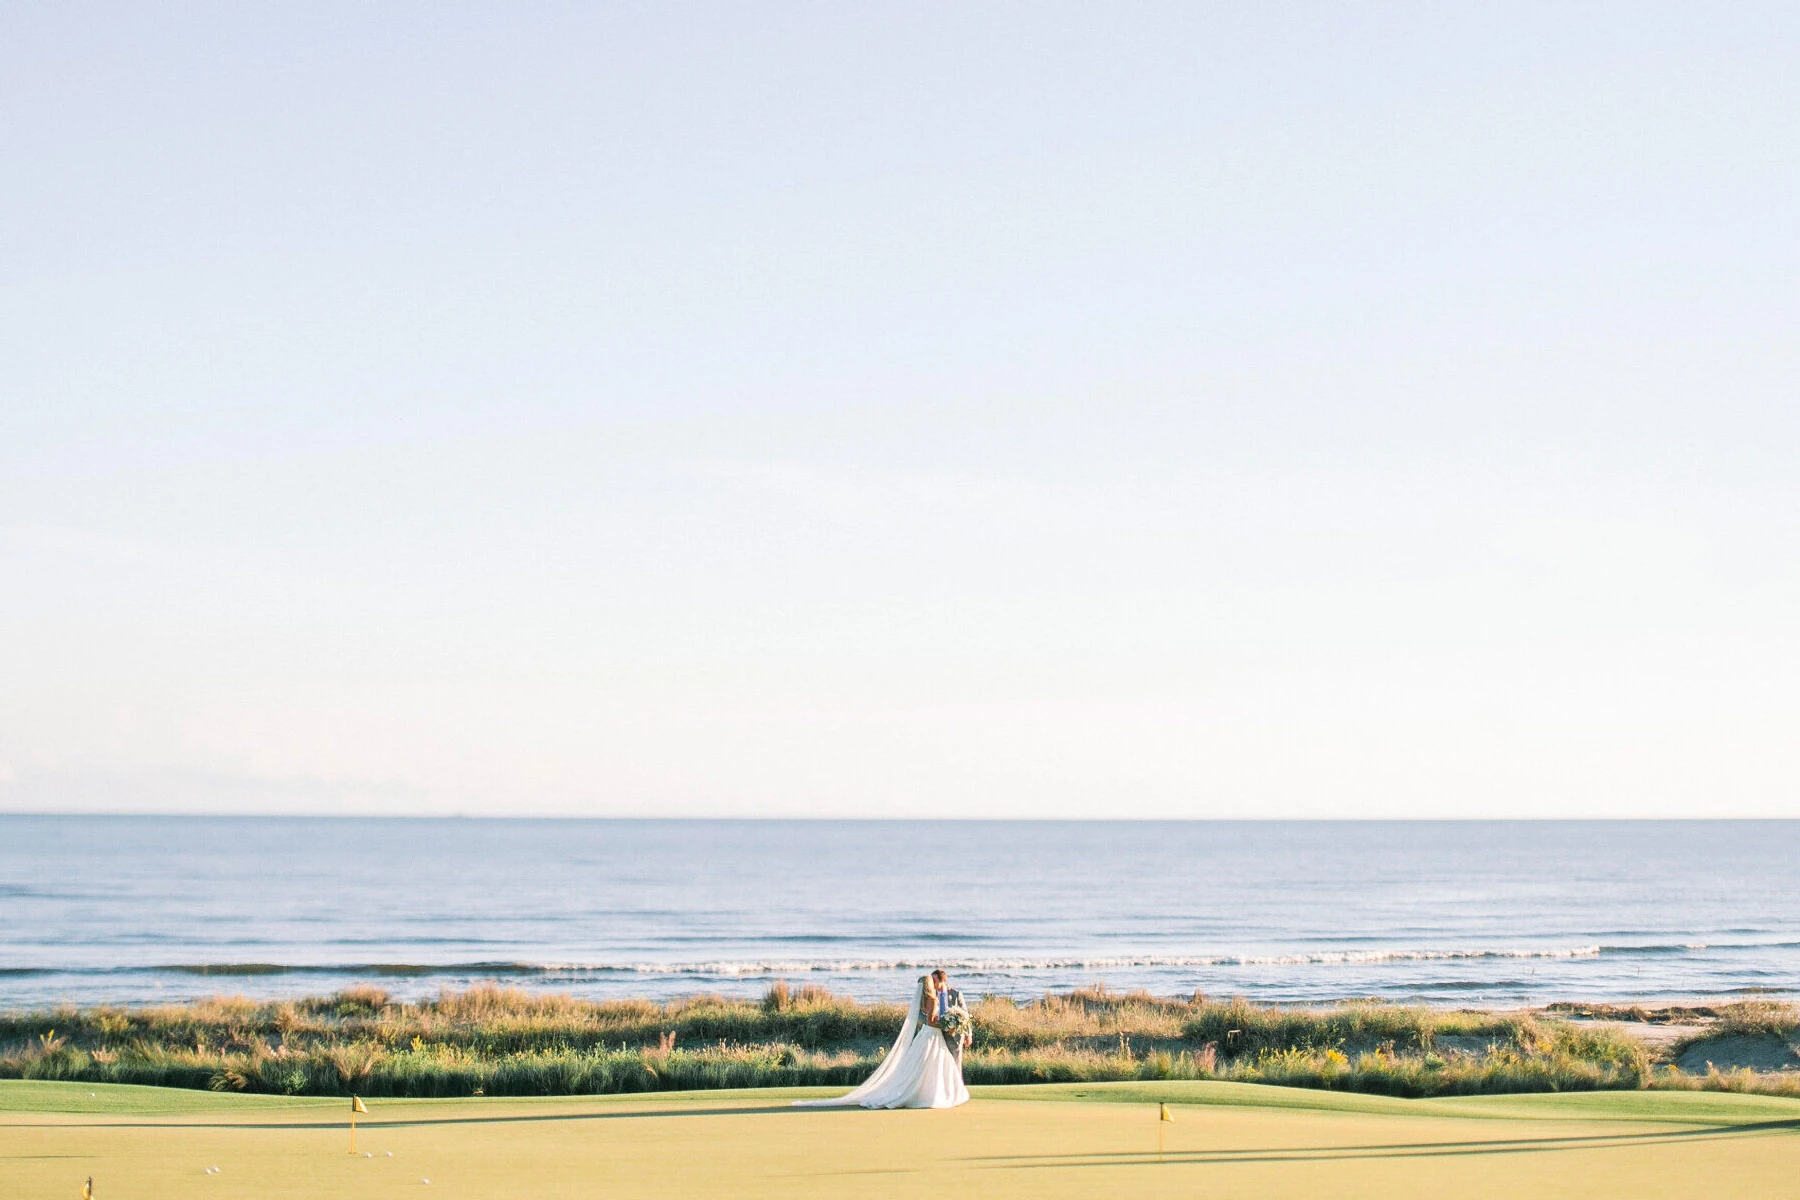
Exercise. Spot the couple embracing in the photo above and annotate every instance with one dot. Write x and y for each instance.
(924, 1067)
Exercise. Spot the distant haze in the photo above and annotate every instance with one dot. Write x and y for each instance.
(856, 410)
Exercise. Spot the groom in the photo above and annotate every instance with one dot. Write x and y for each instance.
(948, 998)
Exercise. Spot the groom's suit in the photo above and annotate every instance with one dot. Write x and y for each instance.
(948, 999)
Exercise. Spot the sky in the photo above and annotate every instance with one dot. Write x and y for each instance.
(1189, 410)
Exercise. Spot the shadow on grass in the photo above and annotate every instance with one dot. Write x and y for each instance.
(1292, 1154)
(367, 1126)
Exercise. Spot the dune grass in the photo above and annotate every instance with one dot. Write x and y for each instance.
(1752, 1018)
(497, 1042)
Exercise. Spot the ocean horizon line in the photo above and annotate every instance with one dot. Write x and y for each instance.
(884, 820)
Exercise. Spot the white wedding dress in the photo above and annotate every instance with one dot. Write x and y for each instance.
(918, 1072)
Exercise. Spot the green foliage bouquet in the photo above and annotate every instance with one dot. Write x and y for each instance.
(957, 1024)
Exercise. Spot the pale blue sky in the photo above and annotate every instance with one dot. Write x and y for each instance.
(1184, 410)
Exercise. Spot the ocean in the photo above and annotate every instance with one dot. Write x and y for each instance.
(140, 910)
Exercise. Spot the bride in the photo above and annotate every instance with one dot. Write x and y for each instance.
(919, 1071)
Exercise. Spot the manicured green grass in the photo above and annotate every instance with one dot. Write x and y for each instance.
(1042, 1141)
(50, 1096)
(1696, 1106)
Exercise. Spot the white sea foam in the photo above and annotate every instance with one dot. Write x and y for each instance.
(1002, 965)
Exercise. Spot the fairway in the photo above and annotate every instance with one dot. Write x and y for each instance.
(1227, 1140)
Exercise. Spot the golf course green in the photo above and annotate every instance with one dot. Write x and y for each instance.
(1225, 1140)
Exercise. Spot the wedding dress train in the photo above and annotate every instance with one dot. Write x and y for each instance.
(918, 1072)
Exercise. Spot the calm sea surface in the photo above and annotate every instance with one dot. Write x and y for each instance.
(147, 909)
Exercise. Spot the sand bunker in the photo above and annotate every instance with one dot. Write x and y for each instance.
(1764, 1052)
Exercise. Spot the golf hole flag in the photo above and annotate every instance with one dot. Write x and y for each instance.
(356, 1106)
(1164, 1114)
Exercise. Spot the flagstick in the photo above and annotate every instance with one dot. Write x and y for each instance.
(353, 1131)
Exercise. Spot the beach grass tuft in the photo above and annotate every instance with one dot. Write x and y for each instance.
(1757, 1018)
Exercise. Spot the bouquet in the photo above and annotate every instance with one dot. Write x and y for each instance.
(956, 1024)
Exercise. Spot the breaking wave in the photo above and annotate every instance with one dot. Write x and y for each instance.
(838, 966)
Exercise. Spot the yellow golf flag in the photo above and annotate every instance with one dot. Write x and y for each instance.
(87, 1189)
(356, 1106)
(1164, 1115)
